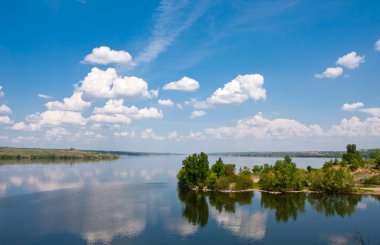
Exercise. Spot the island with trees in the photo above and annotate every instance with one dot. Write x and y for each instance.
(351, 174)
(8, 153)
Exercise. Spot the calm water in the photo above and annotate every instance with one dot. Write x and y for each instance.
(135, 200)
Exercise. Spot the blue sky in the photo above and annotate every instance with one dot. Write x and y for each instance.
(184, 76)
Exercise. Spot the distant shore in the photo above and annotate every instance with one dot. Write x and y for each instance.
(10, 153)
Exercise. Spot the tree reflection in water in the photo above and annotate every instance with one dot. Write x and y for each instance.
(195, 208)
(285, 205)
(334, 204)
(226, 201)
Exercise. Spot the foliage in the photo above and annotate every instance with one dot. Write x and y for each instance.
(7, 153)
(211, 181)
(374, 180)
(244, 181)
(219, 167)
(256, 169)
(194, 171)
(230, 169)
(283, 176)
(224, 182)
(331, 179)
(244, 170)
(352, 156)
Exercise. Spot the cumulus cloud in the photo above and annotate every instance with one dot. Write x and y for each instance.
(5, 120)
(350, 60)
(114, 111)
(5, 109)
(195, 114)
(331, 72)
(56, 133)
(198, 104)
(104, 56)
(352, 107)
(26, 127)
(262, 128)
(150, 134)
(74, 103)
(166, 102)
(372, 111)
(184, 84)
(44, 96)
(56, 118)
(107, 84)
(240, 89)
(354, 127)
(377, 45)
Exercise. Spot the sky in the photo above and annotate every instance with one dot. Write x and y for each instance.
(187, 76)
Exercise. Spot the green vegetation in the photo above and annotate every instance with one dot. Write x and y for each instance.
(335, 176)
(48, 154)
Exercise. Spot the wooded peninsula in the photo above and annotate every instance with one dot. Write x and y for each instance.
(8, 153)
(351, 174)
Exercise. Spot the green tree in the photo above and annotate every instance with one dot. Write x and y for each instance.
(352, 156)
(283, 176)
(195, 170)
(332, 180)
(219, 167)
(230, 169)
(256, 169)
(244, 170)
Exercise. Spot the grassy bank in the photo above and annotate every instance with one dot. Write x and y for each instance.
(7, 153)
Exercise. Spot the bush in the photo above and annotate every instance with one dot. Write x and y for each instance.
(223, 182)
(194, 171)
(211, 181)
(372, 181)
(243, 182)
(219, 167)
(332, 180)
(230, 169)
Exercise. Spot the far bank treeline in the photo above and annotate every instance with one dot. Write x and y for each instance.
(8, 153)
(334, 176)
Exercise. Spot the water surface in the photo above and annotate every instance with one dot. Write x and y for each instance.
(136, 200)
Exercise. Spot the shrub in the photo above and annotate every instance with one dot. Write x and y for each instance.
(244, 181)
(224, 182)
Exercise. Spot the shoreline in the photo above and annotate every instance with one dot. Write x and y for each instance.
(368, 191)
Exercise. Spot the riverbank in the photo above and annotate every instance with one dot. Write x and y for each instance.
(9, 153)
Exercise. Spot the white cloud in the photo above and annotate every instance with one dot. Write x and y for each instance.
(19, 139)
(122, 134)
(3, 137)
(184, 84)
(377, 45)
(166, 102)
(107, 84)
(350, 60)
(372, 111)
(26, 127)
(198, 104)
(240, 89)
(354, 127)
(44, 96)
(195, 114)
(104, 56)
(5, 120)
(74, 103)
(56, 118)
(114, 111)
(331, 72)
(56, 133)
(5, 109)
(1, 92)
(179, 106)
(262, 128)
(150, 134)
(113, 118)
(352, 107)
